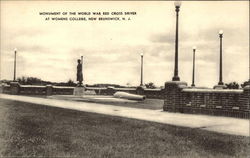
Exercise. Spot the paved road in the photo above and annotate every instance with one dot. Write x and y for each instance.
(227, 125)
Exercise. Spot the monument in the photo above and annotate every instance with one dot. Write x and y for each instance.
(80, 88)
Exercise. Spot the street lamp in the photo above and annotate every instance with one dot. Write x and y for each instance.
(15, 51)
(194, 49)
(141, 69)
(220, 78)
(177, 9)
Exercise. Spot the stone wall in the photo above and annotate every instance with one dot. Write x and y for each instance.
(112, 90)
(5, 89)
(180, 98)
(177, 97)
(58, 90)
(149, 93)
(32, 90)
(16, 88)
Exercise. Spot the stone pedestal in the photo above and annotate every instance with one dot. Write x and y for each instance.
(1, 88)
(219, 87)
(14, 87)
(245, 98)
(172, 95)
(140, 90)
(79, 91)
(49, 90)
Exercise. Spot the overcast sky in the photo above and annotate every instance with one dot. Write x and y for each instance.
(111, 49)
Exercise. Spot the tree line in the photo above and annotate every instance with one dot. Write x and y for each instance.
(37, 81)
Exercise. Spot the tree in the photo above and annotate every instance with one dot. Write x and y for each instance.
(150, 85)
(34, 81)
(30, 81)
(232, 85)
(71, 83)
(22, 80)
(245, 84)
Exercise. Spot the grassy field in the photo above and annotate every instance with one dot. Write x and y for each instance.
(35, 130)
(154, 104)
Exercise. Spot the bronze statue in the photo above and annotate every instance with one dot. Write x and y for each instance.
(79, 75)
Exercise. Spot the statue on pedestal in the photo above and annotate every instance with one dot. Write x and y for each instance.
(79, 75)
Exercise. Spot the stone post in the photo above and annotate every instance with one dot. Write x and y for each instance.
(1, 88)
(245, 98)
(49, 90)
(14, 88)
(111, 91)
(79, 91)
(172, 96)
(140, 90)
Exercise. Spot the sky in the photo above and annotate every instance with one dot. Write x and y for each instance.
(111, 50)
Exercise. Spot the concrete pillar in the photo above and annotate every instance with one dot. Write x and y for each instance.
(1, 88)
(220, 87)
(246, 98)
(49, 90)
(14, 88)
(111, 90)
(140, 90)
(79, 91)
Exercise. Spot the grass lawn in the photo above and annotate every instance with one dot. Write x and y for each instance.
(154, 104)
(35, 130)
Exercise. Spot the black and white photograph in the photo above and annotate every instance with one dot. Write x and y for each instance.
(124, 79)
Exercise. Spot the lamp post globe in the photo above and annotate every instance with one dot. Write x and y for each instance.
(177, 3)
(221, 32)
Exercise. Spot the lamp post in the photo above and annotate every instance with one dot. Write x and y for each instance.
(194, 49)
(220, 77)
(177, 9)
(82, 70)
(249, 70)
(15, 51)
(141, 69)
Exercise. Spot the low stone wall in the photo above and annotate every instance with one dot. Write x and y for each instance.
(179, 98)
(149, 93)
(5, 89)
(111, 90)
(16, 88)
(32, 90)
(57, 90)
